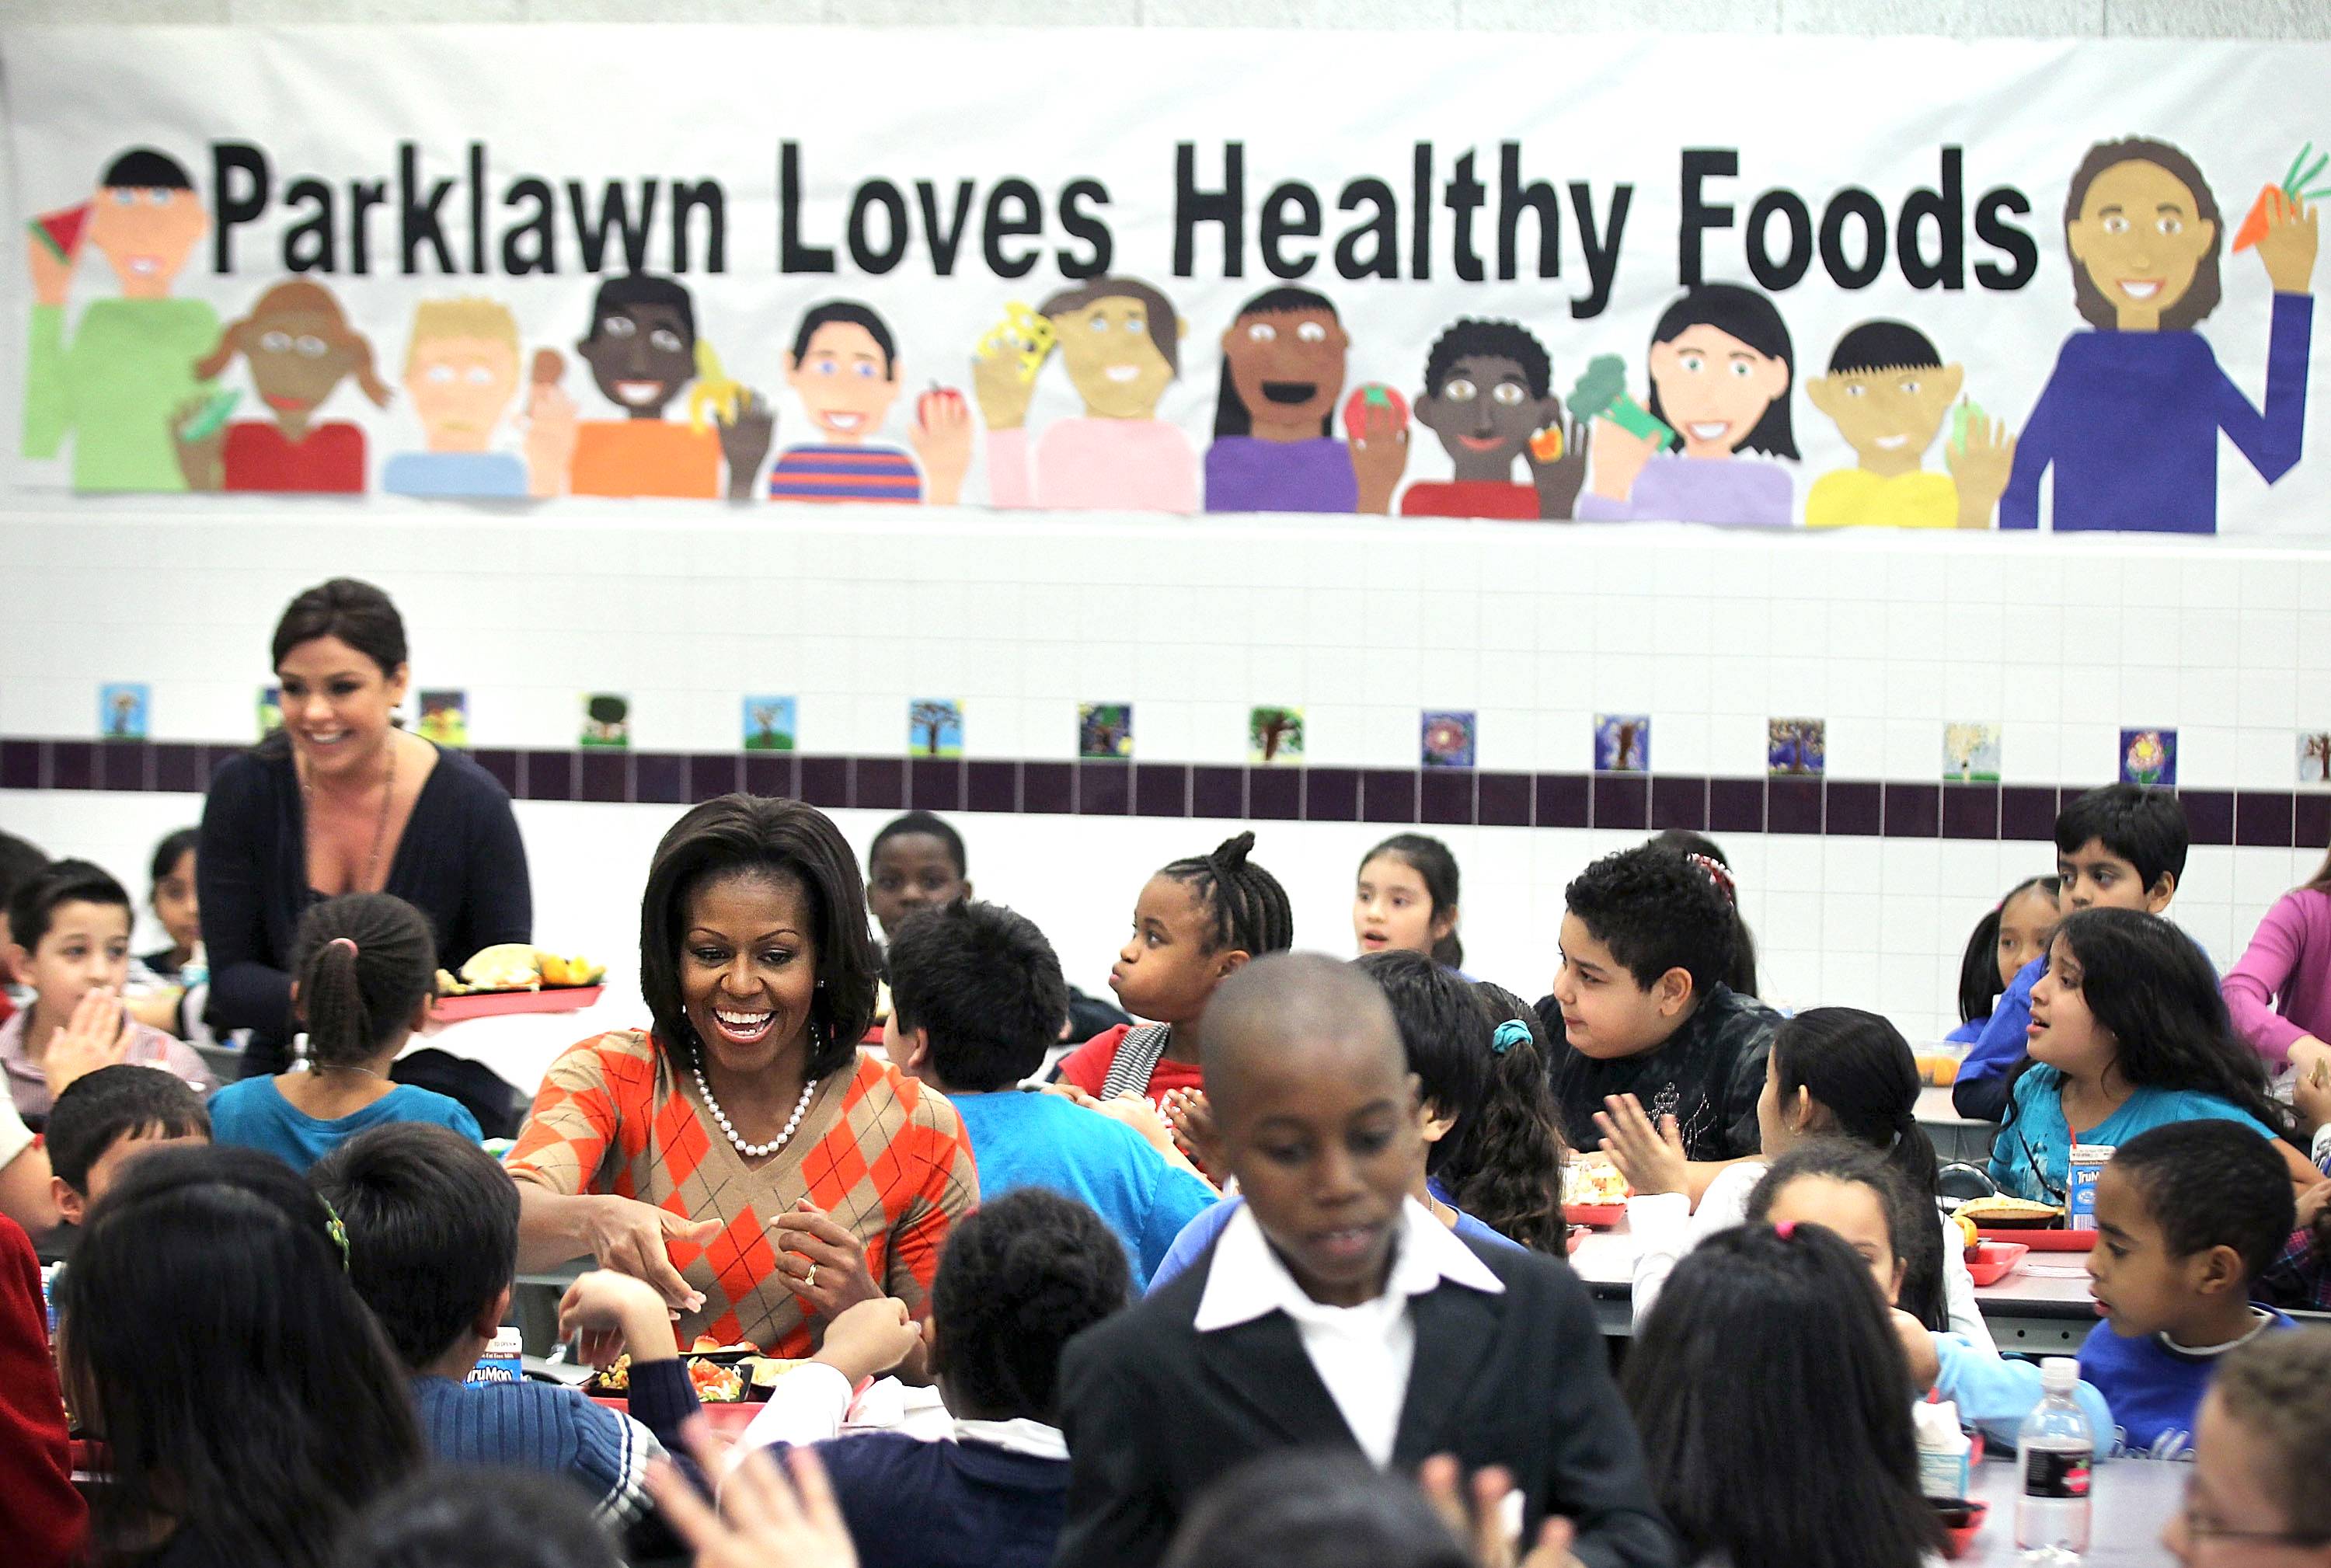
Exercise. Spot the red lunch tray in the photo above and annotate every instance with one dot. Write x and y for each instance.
(494, 1003)
(2042, 1240)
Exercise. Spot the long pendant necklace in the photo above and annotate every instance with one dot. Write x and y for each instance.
(379, 828)
(752, 1151)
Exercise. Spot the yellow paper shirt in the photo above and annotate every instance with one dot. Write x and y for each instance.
(1856, 497)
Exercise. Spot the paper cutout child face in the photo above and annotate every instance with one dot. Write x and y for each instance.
(641, 353)
(146, 234)
(1890, 417)
(1287, 367)
(2141, 239)
(460, 388)
(1714, 389)
(300, 348)
(846, 380)
(1484, 412)
(1112, 357)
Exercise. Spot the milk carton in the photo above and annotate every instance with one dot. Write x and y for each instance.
(504, 1361)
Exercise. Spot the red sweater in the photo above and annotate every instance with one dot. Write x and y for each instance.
(1086, 1067)
(46, 1517)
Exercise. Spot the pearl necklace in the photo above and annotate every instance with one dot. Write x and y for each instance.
(753, 1151)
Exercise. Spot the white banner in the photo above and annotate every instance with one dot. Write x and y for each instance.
(1794, 281)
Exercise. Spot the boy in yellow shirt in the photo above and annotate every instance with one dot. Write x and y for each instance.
(1888, 390)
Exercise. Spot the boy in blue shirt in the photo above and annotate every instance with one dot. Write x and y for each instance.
(2187, 1216)
(976, 998)
(2121, 846)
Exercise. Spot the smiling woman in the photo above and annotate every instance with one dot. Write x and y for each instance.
(341, 801)
(742, 1156)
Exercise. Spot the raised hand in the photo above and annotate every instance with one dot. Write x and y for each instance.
(1619, 458)
(1559, 483)
(202, 463)
(2288, 247)
(99, 1034)
(1379, 457)
(1002, 392)
(1481, 1527)
(744, 441)
(771, 1522)
(1980, 469)
(553, 426)
(1651, 1157)
(941, 437)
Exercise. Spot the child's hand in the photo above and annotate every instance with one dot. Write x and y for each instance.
(1650, 1158)
(1980, 470)
(769, 1520)
(1192, 1118)
(2311, 1090)
(1379, 454)
(1135, 1112)
(99, 1033)
(1619, 458)
(1484, 1528)
(2288, 247)
(1919, 1350)
(613, 1313)
(869, 1339)
(1070, 1092)
(820, 1262)
(2311, 1204)
(942, 442)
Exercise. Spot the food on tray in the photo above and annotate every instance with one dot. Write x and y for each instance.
(1968, 1239)
(764, 1370)
(615, 1377)
(704, 1345)
(1593, 1179)
(716, 1383)
(519, 966)
(2000, 1211)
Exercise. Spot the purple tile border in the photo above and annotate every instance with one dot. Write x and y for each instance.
(1451, 797)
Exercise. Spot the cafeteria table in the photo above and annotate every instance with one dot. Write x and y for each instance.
(2043, 1308)
(1954, 1136)
(2131, 1500)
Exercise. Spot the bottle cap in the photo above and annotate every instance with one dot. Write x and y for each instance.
(2058, 1374)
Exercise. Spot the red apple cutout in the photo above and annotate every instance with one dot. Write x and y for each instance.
(1373, 394)
(938, 398)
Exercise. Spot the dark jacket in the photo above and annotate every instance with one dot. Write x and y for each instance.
(1708, 1075)
(1153, 1411)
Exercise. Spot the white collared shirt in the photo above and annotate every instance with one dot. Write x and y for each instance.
(1362, 1353)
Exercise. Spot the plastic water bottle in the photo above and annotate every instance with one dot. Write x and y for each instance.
(2054, 1451)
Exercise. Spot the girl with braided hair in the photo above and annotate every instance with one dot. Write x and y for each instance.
(1198, 921)
(364, 968)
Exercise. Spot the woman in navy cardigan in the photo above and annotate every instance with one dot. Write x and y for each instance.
(341, 801)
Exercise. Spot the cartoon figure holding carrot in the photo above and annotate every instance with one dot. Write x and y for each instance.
(2130, 416)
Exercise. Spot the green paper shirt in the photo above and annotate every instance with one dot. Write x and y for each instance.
(128, 369)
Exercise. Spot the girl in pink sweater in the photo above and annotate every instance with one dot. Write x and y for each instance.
(2280, 994)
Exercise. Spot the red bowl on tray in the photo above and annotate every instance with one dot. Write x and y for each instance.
(1994, 1261)
(1597, 1216)
(2041, 1241)
(1962, 1521)
(495, 1003)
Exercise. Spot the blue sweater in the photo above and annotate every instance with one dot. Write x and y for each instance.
(1041, 1140)
(2032, 1154)
(254, 1113)
(2155, 1393)
(2129, 421)
(912, 1504)
(1191, 1244)
(559, 1431)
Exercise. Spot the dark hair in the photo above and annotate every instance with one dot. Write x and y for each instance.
(1740, 974)
(851, 313)
(1313, 1507)
(616, 294)
(750, 836)
(1021, 1277)
(357, 613)
(1655, 911)
(20, 862)
(1725, 1447)
(432, 1230)
(1444, 1029)
(1858, 1067)
(2207, 289)
(1249, 908)
(1429, 858)
(1507, 1172)
(925, 824)
(1232, 415)
(2150, 986)
(211, 1338)
(2143, 826)
(1979, 981)
(1497, 340)
(2319, 882)
(1156, 309)
(122, 1101)
(363, 961)
(986, 986)
(453, 1518)
(1746, 314)
(2212, 1184)
(144, 169)
(2273, 1388)
(171, 850)
(1883, 346)
(34, 903)
(1913, 1223)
